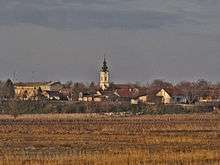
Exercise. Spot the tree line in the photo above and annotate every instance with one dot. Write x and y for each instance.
(10, 105)
(192, 90)
(200, 88)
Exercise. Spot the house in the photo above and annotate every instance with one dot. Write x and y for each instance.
(98, 99)
(30, 90)
(66, 93)
(143, 98)
(90, 96)
(166, 98)
(52, 95)
(180, 99)
(125, 92)
(98, 96)
(134, 101)
(110, 95)
(86, 97)
(205, 99)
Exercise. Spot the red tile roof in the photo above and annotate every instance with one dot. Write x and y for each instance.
(124, 86)
(126, 93)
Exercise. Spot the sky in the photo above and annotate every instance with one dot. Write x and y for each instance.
(61, 40)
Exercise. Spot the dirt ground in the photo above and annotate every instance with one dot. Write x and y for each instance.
(99, 139)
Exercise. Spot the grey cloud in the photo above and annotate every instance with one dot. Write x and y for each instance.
(83, 18)
(123, 14)
(175, 39)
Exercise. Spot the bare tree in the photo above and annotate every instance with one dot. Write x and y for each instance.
(7, 90)
(77, 88)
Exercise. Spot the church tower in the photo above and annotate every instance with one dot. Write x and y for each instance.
(104, 76)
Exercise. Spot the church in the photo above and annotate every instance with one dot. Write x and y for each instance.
(104, 76)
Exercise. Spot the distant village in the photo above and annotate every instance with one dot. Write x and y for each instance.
(158, 92)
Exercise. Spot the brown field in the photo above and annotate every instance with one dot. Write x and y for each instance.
(97, 139)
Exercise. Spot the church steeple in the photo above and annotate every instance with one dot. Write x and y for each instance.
(104, 67)
(104, 76)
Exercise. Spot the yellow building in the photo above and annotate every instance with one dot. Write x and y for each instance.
(29, 90)
(166, 98)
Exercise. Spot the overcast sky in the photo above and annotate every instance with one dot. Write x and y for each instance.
(144, 39)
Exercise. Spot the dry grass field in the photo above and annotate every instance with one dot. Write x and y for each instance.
(97, 139)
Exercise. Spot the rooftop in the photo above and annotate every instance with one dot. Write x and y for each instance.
(35, 83)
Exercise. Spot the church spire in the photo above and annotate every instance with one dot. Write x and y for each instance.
(104, 67)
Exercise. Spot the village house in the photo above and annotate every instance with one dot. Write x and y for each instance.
(143, 98)
(166, 97)
(126, 92)
(66, 93)
(110, 95)
(152, 97)
(88, 97)
(52, 95)
(30, 90)
(179, 96)
(205, 99)
(97, 96)
(180, 99)
(156, 96)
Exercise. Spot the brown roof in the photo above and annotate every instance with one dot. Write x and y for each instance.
(124, 86)
(154, 91)
(65, 91)
(34, 83)
(126, 93)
